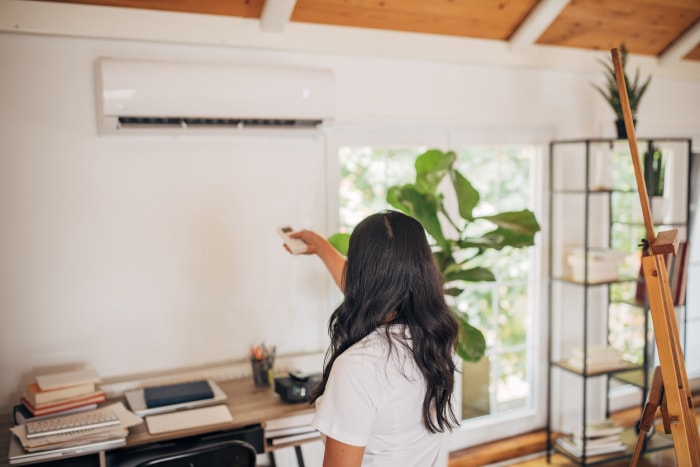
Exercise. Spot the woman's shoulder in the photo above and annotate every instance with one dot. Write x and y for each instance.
(375, 348)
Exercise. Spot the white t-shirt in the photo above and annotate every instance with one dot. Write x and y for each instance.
(374, 401)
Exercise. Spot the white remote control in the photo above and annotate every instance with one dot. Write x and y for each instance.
(295, 245)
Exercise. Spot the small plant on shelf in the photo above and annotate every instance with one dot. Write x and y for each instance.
(657, 172)
(636, 88)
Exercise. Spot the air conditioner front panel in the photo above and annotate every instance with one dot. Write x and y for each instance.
(173, 90)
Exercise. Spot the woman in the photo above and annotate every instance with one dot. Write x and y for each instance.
(385, 396)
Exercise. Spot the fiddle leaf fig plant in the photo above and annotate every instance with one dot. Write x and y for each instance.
(455, 244)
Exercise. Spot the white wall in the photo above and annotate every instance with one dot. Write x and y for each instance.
(143, 253)
(147, 253)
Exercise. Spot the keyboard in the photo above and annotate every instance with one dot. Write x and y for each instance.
(71, 423)
(190, 418)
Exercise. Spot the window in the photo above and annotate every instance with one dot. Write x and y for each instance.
(504, 385)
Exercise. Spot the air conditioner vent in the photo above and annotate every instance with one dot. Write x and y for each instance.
(181, 122)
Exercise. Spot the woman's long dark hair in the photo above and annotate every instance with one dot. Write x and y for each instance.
(390, 269)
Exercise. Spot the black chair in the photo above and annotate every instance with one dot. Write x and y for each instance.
(232, 453)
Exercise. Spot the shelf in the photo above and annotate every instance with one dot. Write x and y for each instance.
(625, 367)
(657, 442)
(635, 377)
(605, 191)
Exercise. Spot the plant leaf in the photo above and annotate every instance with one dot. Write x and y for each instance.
(505, 237)
(340, 242)
(453, 291)
(471, 344)
(477, 274)
(489, 240)
(431, 168)
(422, 206)
(467, 196)
(523, 221)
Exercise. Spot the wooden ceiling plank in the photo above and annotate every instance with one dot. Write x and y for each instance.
(248, 9)
(682, 46)
(276, 14)
(482, 18)
(536, 23)
(647, 27)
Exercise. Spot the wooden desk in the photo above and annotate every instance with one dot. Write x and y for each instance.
(249, 406)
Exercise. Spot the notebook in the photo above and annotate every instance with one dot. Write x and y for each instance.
(17, 455)
(138, 404)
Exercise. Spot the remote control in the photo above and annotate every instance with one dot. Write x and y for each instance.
(295, 245)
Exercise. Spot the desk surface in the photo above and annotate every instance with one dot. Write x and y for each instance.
(249, 405)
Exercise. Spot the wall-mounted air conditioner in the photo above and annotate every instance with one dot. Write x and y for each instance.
(137, 95)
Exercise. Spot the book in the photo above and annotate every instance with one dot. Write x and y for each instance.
(171, 394)
(566, 443)
(611, 440)
(600, 428)
(67, 378)
(94, 398)
(680, 276)
(37, 396)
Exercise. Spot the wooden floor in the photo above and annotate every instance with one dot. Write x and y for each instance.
(529, 450)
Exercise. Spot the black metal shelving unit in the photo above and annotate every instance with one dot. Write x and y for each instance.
(573, 165)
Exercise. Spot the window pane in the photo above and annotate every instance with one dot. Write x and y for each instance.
(501, 381)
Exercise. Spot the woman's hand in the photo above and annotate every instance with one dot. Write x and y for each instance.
(320, 246)
(314, 241)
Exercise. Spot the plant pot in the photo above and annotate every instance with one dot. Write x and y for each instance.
(621, 129)
(659, 208)
(476, 394)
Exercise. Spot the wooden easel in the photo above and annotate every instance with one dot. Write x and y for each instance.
(669, 388)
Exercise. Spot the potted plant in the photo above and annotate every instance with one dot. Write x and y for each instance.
(655, 173)
(610, 92)
(454, 252)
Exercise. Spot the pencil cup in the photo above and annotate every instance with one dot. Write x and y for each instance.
(262, 370)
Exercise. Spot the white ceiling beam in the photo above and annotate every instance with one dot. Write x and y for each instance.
(681, 46)
(275, 14)
(539, 19)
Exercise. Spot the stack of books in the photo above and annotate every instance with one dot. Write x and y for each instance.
(602, 437)
(598, 358)
(69, 435)
(59, 394)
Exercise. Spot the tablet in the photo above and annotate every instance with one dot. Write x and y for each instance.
(137, 399)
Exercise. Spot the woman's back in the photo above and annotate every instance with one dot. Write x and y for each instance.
(386, 393)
